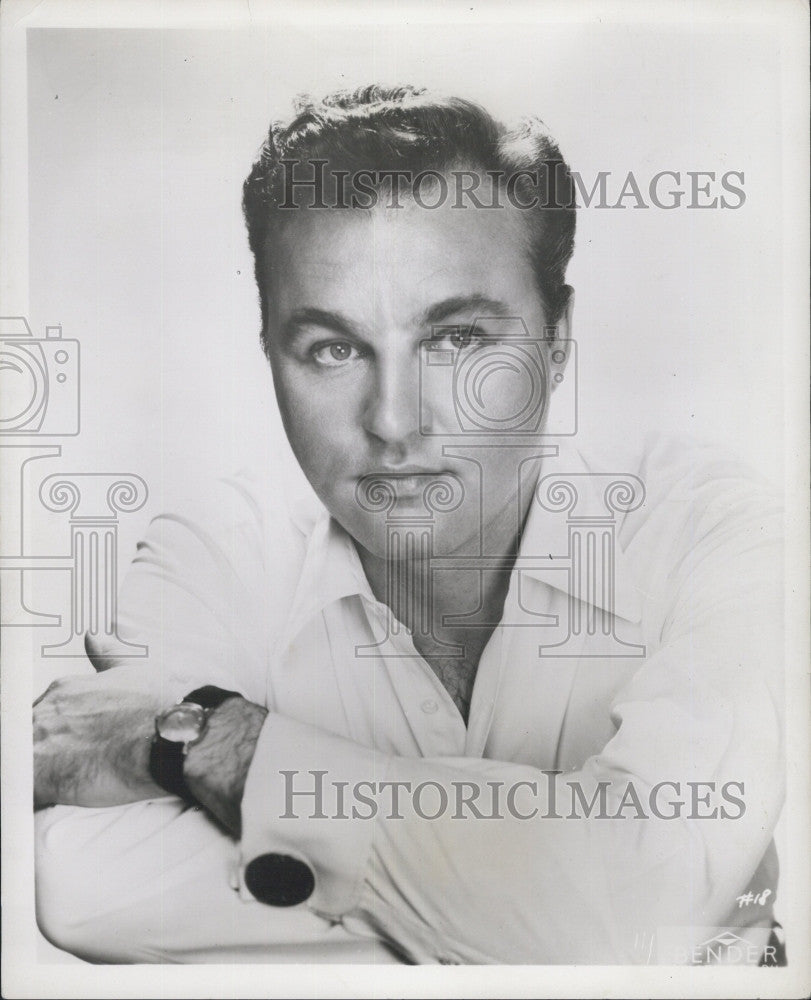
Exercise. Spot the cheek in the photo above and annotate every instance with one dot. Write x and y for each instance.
(508, 389)
(507, 473)
(495, 390)
(321, 419)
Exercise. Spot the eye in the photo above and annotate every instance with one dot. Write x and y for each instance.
(459, 337)
(335, 353)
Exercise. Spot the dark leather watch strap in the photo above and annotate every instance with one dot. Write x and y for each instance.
(166, 767)
(166, 757)
(210, 696)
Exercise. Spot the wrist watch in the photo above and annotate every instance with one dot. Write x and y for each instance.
(176, 730)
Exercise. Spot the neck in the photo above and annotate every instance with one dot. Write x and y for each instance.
(451, 615)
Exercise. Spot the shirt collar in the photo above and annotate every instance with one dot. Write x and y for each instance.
(332, 569)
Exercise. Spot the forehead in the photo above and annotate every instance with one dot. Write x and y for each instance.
(399, 259)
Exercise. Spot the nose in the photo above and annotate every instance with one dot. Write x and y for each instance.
(391, 409)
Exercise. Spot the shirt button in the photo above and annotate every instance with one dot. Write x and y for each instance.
(429, 706)
(279, 880)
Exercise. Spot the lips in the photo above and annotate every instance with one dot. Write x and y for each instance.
(413, 483)
(406, 481)
(387, 491)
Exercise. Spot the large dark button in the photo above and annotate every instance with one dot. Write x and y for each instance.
(279, 880)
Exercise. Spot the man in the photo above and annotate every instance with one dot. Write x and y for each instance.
(496, 701)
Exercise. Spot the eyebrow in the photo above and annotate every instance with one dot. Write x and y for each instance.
(483, 305)
(476, 303)
(311, 316)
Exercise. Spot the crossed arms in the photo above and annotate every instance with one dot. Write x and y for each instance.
(505, 890)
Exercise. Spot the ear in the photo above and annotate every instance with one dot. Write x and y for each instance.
(559, 341)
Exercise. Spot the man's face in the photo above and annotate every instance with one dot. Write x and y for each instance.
(358, 301)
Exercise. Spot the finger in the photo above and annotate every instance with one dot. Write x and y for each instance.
(96, 653)
(43, 796)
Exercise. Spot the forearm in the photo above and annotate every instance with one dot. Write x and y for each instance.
(216, 767)
(512, 885)
(104, 874)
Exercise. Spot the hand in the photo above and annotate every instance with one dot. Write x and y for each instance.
(91, 744)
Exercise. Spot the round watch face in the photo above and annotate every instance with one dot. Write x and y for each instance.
(182, 724)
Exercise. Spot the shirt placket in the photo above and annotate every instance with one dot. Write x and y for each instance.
(428, 708)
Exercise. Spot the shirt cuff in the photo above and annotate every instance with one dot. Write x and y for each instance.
(300, 802)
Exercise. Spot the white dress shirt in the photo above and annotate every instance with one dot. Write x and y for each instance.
(663, 667)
